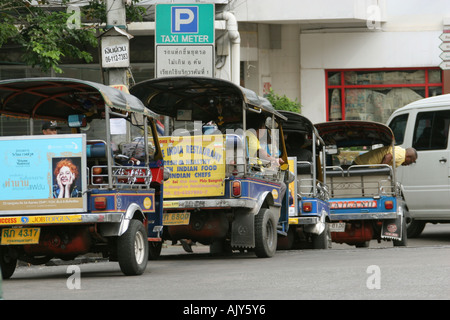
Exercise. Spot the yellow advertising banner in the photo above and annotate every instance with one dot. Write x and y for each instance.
(196, 164)
(48, 219)
(293, 208)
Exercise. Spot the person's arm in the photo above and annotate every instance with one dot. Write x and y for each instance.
(265, 156)
(387, 159)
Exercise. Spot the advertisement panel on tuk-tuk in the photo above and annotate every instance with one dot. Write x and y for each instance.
(197, 161)
(42, 174)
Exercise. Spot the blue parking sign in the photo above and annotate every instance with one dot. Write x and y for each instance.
(184, 24)
(184, 19)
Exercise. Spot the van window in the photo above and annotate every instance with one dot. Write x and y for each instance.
(398, 127)
(431, 130)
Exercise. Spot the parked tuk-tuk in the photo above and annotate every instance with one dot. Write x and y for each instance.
(308, 201)
(96, 188)
(365, 200)
(220, 193)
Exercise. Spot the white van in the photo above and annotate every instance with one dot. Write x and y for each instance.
(424, 125)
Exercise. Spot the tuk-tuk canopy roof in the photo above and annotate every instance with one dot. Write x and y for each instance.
(296, 122)
(56, 98)
(204, 98)
(347, 133)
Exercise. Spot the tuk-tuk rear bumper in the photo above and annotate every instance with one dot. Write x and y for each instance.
(303, 220)
(363, 216)
(209, 203)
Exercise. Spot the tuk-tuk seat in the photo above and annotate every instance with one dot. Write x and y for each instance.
(359, 181)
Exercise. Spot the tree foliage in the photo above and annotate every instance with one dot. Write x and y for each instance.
(45, 35)
(283, 102)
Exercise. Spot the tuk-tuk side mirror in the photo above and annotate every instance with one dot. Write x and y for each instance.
(331, 150)
(77, 121)
(268, 123)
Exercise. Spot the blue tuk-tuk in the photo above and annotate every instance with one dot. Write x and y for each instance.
(94, 187)
(365, 200)
(226, 190)
(308, 200)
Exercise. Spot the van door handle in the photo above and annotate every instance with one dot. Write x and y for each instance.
(443, 160)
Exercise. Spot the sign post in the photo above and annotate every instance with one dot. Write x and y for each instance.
(184, 40)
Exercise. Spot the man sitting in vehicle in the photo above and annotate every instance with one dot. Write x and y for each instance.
(50, 127)
(383, 155)
(255, 127)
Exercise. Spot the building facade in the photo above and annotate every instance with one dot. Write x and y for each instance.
(349, 59)
(341, 59)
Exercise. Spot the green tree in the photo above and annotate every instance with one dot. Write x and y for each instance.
(45, 35)
(283, 102)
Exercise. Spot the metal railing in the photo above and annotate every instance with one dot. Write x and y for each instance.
(122, 177)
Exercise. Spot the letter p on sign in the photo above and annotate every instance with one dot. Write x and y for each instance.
(184, 19)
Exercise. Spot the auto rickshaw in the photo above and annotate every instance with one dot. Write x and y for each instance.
(308, 201)
(365, 200)
(220, 193)
(97, 188)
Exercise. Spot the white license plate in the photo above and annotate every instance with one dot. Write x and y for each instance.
(337, 226)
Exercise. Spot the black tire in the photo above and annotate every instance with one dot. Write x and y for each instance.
(286, 242)
(220, 247)
(154, 250)
(132, 249)
(323, 240)
(364, 244)
(265, 234)
(415, 228)
(8, 262)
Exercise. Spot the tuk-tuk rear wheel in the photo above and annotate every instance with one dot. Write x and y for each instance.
(265, 234)
(323, 240)
(8, 262)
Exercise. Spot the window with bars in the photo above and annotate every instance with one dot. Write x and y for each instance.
(373, 94)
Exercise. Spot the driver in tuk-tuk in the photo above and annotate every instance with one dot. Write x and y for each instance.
(50, 127)
(256, 130)
(383, 155)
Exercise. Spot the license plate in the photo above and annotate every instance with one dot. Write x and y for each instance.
(337, 226)
(176, 219)
(20, 235)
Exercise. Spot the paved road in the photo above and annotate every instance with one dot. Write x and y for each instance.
(420, 271)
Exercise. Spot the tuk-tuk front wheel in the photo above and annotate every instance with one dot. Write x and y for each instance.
(132, 249)
(265, 234)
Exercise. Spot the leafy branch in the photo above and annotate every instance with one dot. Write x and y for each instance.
(283, 102)
(45, 35)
